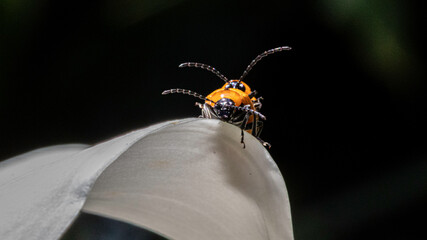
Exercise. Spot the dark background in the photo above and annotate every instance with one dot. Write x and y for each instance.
(346, 108)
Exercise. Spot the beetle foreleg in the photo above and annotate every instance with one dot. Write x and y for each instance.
(207, 111)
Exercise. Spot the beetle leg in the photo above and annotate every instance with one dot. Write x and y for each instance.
(199, 105)
(207, 111)
(242, 139)
(264, 143)
(243, 126)
(259, 127)
(257, 103)
(253, 94)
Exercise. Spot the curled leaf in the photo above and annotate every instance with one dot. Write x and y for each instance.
(186, 179)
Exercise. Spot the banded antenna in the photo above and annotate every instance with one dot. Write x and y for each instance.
(248, 110)
(204, 66)
(259, 57)
(200, 96)
(187, 92)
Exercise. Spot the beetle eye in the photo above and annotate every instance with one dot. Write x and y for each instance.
(236, 85)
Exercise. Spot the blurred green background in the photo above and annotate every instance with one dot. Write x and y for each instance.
(346, 107)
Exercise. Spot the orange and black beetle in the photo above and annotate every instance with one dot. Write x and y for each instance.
(234, 102)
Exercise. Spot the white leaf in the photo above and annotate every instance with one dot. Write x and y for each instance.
(195, 181)
(187, 179)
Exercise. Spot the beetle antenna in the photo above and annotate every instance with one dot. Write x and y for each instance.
(248, 110)
(259, 57)
(204, 66)
(187, 92)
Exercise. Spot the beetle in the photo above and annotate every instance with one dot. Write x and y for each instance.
(234, 102)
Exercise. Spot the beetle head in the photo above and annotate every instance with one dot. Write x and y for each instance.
(224, 108)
